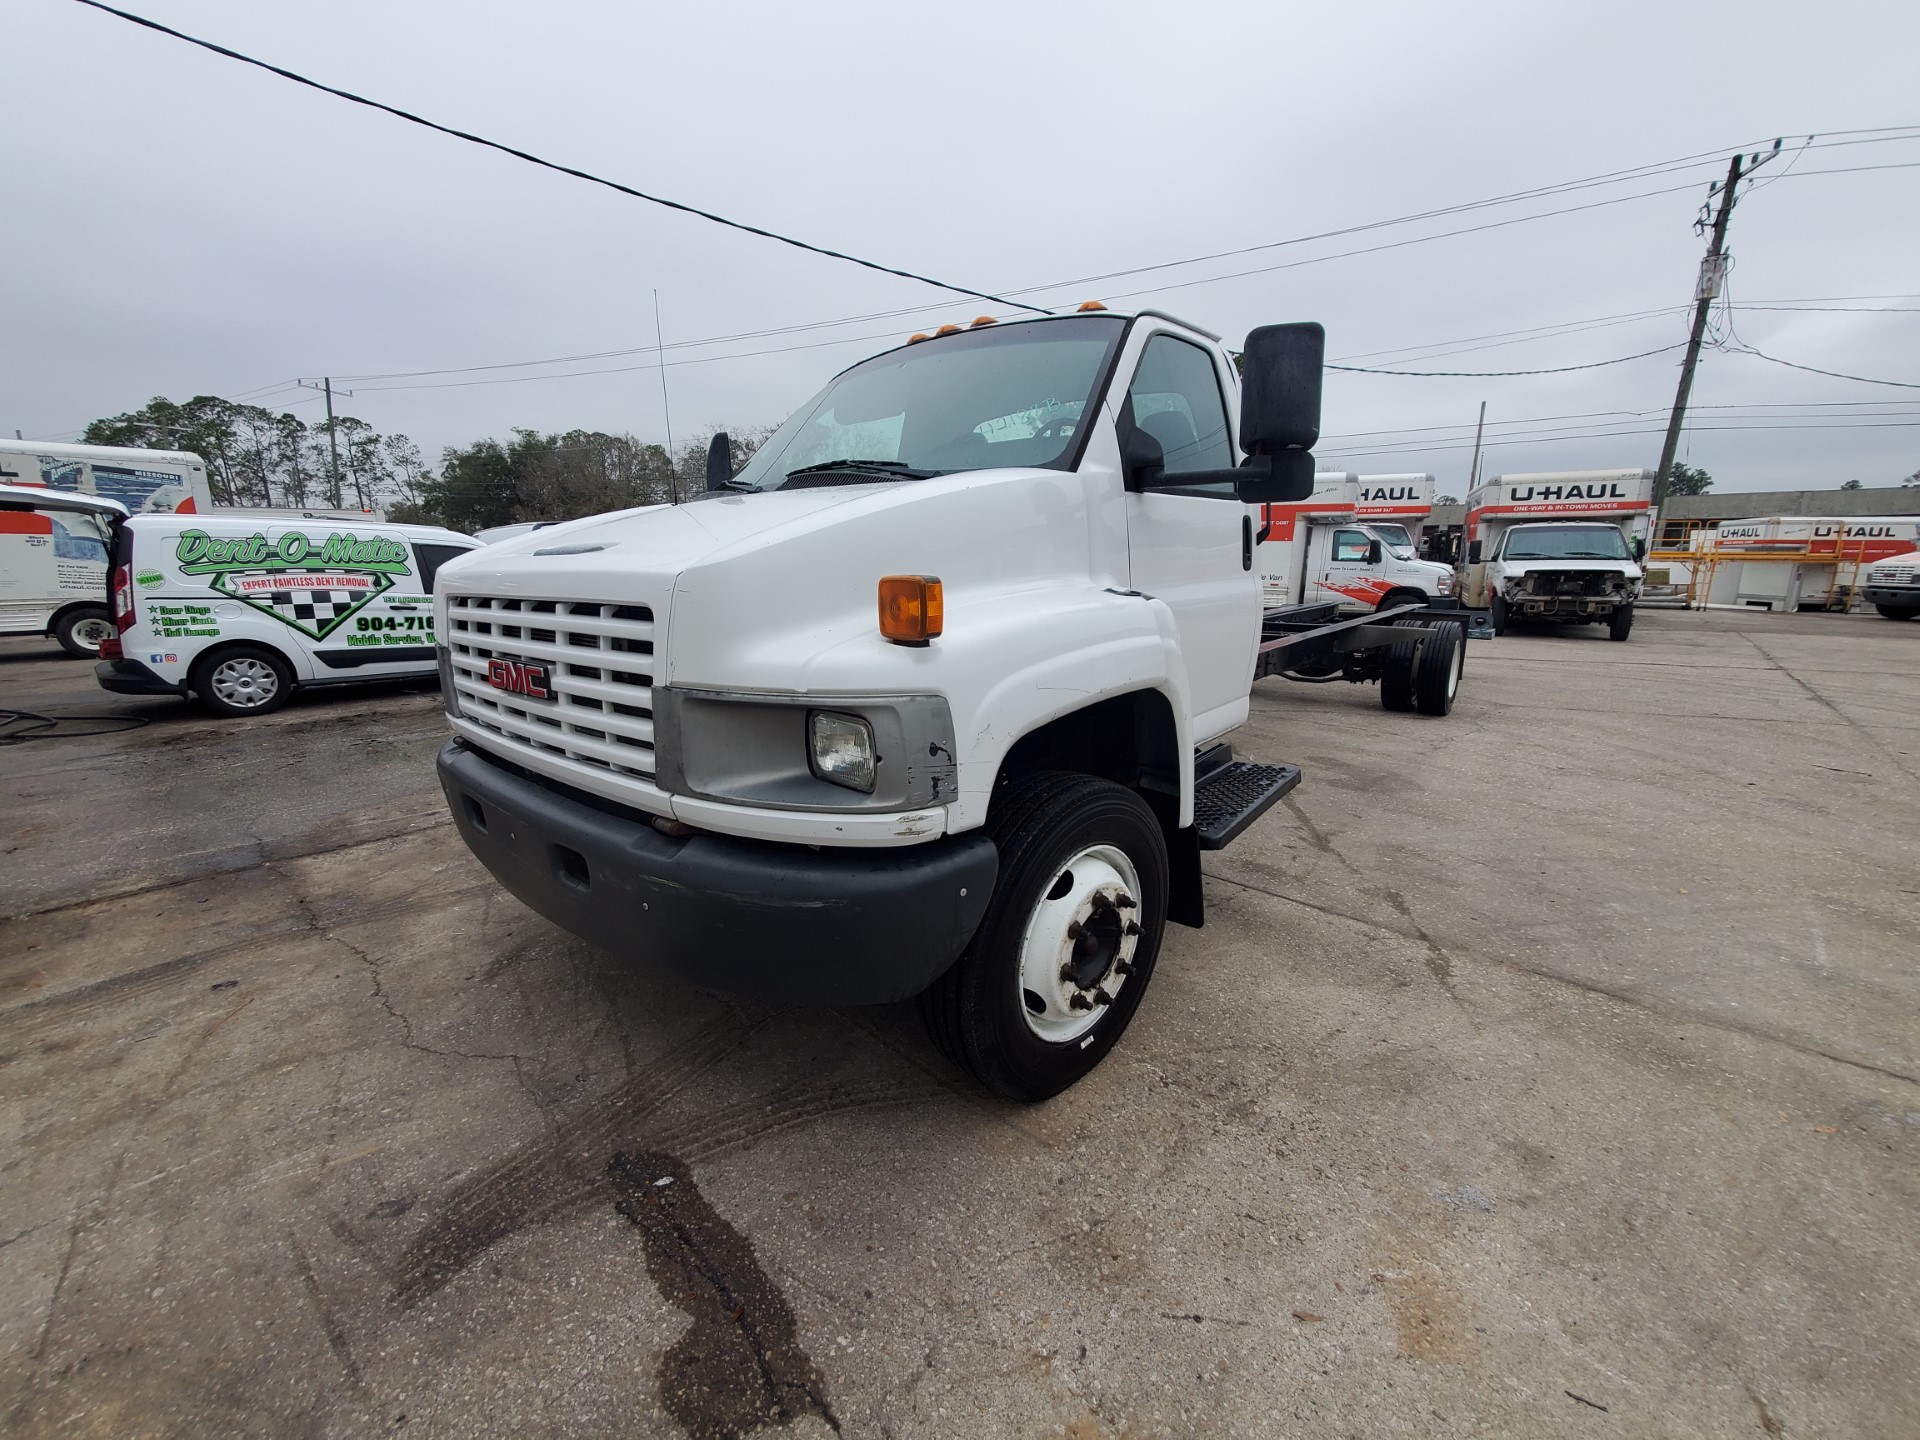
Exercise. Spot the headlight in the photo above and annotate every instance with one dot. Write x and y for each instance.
(1445, 583)
(840, 749)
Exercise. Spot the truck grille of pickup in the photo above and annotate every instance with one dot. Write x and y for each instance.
(600, 664)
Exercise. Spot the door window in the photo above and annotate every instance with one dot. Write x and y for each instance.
(431, 558)
(1349, 547)
(1176, 399)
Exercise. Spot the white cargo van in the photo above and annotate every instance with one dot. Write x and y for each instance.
(242, 609)
(1318, 550)
(53, 557)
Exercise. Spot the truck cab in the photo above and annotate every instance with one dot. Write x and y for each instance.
(1323, 549)
(927, 699)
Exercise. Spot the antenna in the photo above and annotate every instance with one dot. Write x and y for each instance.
(660, 355)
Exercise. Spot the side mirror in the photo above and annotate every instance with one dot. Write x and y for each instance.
(1273, 479)
(719, 461)
(1374, 552)
(1473, 553)
(1280, 388)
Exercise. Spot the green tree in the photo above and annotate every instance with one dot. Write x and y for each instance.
(1853, 485)
(475, 488)
(1913, 479)
(1688, 480)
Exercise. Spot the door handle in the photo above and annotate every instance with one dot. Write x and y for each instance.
(1246, 542)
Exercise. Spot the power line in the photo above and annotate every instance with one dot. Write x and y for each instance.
(1502, 374)
(533, 159)
(1816, 370)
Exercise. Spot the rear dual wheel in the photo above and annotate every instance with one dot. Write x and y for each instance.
(1062, 956)
(1423, 671)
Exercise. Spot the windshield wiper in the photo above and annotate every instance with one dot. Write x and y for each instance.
(887, 467)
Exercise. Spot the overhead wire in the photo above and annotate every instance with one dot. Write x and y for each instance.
(532, 159)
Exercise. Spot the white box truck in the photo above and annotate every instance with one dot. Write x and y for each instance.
(930, 698)
(1893, 586)
(1561, 547)
(1801, 562)
(1396, 507)
(53, 558)
(1319, 550)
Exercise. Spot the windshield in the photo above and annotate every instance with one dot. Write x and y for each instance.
(1002, 395)
(1574, 542)
(1394, 536)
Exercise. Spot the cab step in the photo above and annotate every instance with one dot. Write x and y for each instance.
(1230, 796)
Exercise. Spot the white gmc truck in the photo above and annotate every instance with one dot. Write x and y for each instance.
(927, 699)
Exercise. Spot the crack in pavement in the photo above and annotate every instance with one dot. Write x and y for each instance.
(1846, 719)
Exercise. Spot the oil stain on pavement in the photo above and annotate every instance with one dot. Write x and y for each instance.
(740, 1364)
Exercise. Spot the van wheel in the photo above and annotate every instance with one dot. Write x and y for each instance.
(1443, 660)
(81, 630)
(1898, 612)
(1396, 680)
(1497, 609)
(1068, 943)
(1401, 597)
(243, 680)
(1620, 623)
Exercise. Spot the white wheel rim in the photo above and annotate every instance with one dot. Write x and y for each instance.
(245, 682)
(1077, 950)
(91, 632)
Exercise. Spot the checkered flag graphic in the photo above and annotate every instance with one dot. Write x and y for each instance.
(302, 600)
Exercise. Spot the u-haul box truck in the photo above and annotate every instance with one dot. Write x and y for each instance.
(1802, 562)
(1395, 507)
(53, 559)
(1561, 547)
(1319, 550)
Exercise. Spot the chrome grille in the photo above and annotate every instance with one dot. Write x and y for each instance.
(1894, 575)
(600, 662)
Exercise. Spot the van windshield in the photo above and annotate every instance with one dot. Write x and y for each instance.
(1002, 395)
(1394, 536)
(1574, 542)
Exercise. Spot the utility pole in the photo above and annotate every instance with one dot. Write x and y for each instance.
(1473, 475)
(1713, 272)
(333, 447)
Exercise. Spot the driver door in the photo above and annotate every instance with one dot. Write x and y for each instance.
(1192, 548)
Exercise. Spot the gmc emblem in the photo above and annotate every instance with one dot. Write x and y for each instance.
(519, 677)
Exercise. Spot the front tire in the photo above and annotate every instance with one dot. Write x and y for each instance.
(1497, 608)
(1620, 623)
(81, 630)
(243, 680)
(1067, 946)
(1898, 612)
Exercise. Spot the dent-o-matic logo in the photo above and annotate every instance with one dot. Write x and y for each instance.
(312, 586)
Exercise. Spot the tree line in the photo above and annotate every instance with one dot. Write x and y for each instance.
(257, 458)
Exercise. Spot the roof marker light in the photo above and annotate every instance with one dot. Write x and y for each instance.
(980, 320)
(947, 330)
(1086, 305)
(917, 337)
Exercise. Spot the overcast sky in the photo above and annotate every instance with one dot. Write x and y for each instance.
(179, 224)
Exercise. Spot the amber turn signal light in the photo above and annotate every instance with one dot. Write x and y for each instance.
(912, 610)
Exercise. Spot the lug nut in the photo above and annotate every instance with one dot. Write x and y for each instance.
(1121, 967)
(1077, 1001)
(1066, 972)
(1133, 928)
(1073, 930)
(1125, 902)
(1101, 997)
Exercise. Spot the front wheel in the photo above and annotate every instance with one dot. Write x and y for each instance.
(81, 630)
(243, 680)
(1069, 940)
(1899, 612)
(1497, 608)
(1620, 623)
